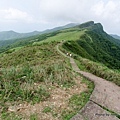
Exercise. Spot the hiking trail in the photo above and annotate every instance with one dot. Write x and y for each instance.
(104, 98)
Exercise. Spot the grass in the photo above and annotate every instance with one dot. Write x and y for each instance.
(30, 73)
(33, 117)
(13, 50)
(99, 70)
(27, 73)
(19, 84)
(33, 55)
(67, 115)
(35, 95)
(69, 35)
(47, 109)
(77, 101)
(96, 68)
(10, 116)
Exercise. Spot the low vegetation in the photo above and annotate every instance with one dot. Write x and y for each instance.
(77, 101)
(33, 76)
(96, 49)
(36, 82)
(96, 68)
(99, 69)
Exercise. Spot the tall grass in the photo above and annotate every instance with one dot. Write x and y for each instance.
(77, 101)
(18, 84)
(96, 68)
(31, 83)
(28, 73)
(99, 70)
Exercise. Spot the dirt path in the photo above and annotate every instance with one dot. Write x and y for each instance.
(105, 94)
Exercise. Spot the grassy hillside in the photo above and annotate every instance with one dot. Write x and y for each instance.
(95, 46)
(99, 69)
(35, 80)
(37, 75)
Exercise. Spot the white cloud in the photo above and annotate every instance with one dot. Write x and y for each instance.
(79, 10)
(63, 11)
(98, 8)
(14, 15)
(50, 13)
(107, 11)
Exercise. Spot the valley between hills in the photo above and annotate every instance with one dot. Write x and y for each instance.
(39, 82)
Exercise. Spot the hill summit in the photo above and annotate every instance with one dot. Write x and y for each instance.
(86, 24)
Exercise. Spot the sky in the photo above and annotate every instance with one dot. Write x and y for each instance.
(31, 15)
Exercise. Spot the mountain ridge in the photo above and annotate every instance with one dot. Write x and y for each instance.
(95, 44)
(9, 35)
(115, 36)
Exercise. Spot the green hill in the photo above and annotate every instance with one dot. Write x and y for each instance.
(33, 73)
(96, 45)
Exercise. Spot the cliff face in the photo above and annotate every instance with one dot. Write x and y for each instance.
(96, 27)
(95, 44)
(87, 24)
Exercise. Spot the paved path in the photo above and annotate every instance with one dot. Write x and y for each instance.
(105, 94)
(92, 111)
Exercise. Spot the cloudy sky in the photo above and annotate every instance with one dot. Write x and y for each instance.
(30, 15)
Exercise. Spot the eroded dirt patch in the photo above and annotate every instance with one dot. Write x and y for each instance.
(58, 102)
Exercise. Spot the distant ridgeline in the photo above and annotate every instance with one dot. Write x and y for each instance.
(95, 44)
(11, 39)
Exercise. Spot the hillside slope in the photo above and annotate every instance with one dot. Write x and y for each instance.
(37, 81)
(96, 45)
(89, 40)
